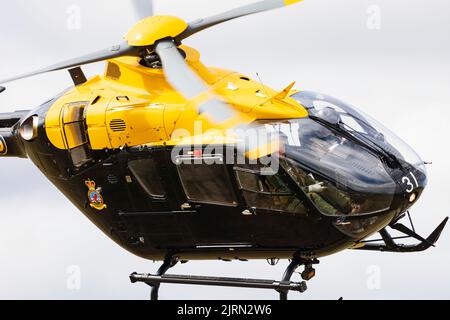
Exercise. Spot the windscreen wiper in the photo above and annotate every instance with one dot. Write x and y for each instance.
(360, 140)
(374, 144)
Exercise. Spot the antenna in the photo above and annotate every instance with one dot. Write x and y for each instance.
(263, 87)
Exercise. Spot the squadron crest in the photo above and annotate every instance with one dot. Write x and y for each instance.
(95, 197)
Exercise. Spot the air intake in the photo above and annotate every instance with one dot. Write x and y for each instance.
(117, 125)
(113, 179)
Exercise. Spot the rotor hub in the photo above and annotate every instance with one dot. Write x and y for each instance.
(149, 30)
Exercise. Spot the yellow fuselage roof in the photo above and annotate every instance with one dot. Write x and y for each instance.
(132, 105)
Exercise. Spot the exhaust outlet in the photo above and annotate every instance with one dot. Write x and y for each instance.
(10, 144)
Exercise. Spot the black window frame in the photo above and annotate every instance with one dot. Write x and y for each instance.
(293, 193)
(143, 184)
(200, 161)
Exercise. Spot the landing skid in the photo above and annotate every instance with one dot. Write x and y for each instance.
(283, 287)
(388, 243)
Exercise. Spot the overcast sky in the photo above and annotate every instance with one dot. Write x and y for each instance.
(395, 66)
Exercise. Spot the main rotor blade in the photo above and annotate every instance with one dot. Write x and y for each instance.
(252, 141)
(202, 24)
(143, 8)
(189, 84)
(113, 52)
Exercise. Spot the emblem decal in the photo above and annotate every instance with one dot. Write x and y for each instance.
(95, 196)
(3, 147)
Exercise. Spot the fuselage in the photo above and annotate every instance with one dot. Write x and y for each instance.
(108, 144)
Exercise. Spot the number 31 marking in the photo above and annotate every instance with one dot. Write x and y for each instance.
(406, 180)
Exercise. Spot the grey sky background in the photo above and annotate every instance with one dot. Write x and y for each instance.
(399, 74)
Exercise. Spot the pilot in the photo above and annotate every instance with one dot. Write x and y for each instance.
(328, 199)
(316, 138)
(320, 141)
(329, 115)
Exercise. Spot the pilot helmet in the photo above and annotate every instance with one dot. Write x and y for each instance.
(329, 115)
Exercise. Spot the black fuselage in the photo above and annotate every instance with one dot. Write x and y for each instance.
(152, 225)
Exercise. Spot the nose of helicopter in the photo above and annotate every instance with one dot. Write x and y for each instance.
(369, 164)
(411, 181)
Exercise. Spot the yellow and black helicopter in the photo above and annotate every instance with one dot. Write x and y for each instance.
(177, 161)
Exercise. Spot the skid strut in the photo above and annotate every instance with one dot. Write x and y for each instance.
(169, 262)
(283, 287)
(295, 263)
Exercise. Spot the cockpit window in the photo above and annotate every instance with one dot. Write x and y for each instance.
(340, 176)
(267, 192)
(333, 199)
(360, 125)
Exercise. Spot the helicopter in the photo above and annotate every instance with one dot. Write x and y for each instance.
(177, 161)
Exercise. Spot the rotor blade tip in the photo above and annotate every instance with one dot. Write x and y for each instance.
(290, 2)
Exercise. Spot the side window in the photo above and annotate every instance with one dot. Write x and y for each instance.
(206, 182)
(267, 192)
(75, 132)
(146, 173)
